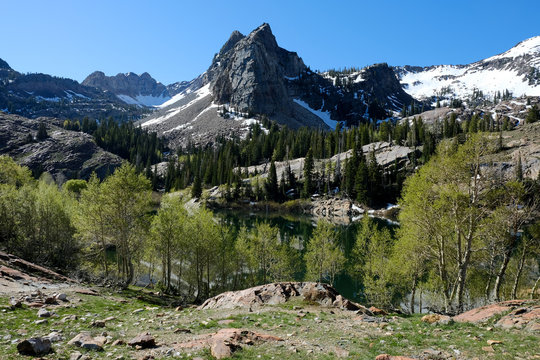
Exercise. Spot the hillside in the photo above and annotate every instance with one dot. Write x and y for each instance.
(34, 95)
(64, 154)
(516, 70)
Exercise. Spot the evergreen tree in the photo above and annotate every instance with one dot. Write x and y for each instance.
(308, 174)
(519, 169)
(42, 132)
(533, 114)
(271, 184)
(196, 190)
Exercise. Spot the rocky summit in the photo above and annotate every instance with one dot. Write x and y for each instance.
(34, 95)
(142, 90)
(252, 77)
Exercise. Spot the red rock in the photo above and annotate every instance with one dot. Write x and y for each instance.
(388, 357)
(485, 313)
(377, 311)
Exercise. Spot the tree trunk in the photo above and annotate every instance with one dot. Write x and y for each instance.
(535, 287)
(500, 276)
(413, 291)
(420, 301)
(490, 278)
(518, 274)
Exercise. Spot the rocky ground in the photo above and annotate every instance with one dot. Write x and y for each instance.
(54, 318)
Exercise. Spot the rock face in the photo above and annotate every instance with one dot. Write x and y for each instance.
(252, 76)
(35, 95)
(64, 154)
(520, 314)
(130, 87)
(278, 293)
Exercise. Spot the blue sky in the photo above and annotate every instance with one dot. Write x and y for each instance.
(176, 40)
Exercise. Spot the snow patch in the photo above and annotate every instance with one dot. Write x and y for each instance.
(323, 115)
(201, 93)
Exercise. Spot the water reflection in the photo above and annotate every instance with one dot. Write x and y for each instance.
(296, 231)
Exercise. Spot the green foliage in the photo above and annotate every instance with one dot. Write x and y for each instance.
(271, 184)
(266, 258)
(13, 174)
(308, 174)
(75, 186)
(196, 190)
(533, 114)
(324, 258)
(35, 223)
(452, 209)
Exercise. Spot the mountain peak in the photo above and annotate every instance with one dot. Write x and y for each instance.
(4, 65)
(529, 46)
(264, 35)
(235, 37)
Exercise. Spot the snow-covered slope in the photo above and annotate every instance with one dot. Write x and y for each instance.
(516, 70)
(192, 116)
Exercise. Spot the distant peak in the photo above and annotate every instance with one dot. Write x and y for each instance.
(526, 47)
(263, 34)
(235, 37)
(264, 27)
(4, 65)
(97, 73)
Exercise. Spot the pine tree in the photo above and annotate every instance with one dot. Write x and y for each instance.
(196, 190)
(308, 174)
(42, 132)
(533, 115)
(271, 184)
(519, 169)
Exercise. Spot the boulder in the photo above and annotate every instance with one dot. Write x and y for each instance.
(437, 319)
(225, 342)
(388, 357)
(279, 293)
(86, 341)
(43, 313)
(34, 346)
(144, 340)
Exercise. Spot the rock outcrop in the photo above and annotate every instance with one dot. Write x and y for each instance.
(225, 342)
(279, 293)
(64, 154)
(520, 314)
(130, 87)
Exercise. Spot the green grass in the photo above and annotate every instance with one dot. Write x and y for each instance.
(310, 332)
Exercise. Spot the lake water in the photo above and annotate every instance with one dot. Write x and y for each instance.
(296, 230)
